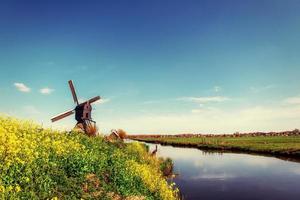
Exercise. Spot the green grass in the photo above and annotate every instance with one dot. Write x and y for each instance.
(289, 145)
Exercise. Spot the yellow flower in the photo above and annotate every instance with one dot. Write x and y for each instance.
(10, 188)
(153, 180)
(17, 188)
(2, 188)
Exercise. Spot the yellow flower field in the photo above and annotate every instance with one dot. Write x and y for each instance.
(38, 163)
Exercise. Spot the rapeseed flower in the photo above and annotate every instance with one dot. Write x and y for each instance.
(38, 163)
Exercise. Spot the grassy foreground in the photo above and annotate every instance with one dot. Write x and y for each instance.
(37, 163)
(277, 145)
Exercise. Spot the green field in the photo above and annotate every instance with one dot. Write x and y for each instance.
(281, 145)
(38, 163)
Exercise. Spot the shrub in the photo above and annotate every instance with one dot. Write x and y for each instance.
(122, 134)
(91, 129)
(166, 166)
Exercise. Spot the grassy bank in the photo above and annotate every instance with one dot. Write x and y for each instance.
(37, 163)
(276, 145)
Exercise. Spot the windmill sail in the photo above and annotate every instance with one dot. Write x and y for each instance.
(63, 115)
(73, 92)
(82, 111)
(92, 100)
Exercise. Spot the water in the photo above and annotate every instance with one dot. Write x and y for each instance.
(232, 176)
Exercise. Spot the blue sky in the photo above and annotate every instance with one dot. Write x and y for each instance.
(160, 66)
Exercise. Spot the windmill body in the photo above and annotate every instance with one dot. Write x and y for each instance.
(83, 111)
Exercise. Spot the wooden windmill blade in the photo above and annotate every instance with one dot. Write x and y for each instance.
(73, 92)
(92, 100)
(63, 115)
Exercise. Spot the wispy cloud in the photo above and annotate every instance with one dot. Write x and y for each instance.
(152, 102)
(203, 109)
(261, 88)
(161, 101)
(246, 119)
(217, 88)
(197, 110)
(292, 100)
(102, 101)
(22, 87)
(46, 91)
(211, 99)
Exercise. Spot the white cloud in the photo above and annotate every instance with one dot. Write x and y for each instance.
(22, 87)
(196, 111)
(151, 102)
(206, 119)
(213, 99)
(46, 90)
(81, 100)
(212, 120)
(217, 88)
(203, 109)
(261, 88)
(102, 101)
(292, 100)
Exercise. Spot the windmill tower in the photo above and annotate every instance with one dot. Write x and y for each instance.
(82, 111)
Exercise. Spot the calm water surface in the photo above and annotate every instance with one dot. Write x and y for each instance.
(232, 176)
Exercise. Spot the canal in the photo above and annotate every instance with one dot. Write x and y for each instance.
(225, 176)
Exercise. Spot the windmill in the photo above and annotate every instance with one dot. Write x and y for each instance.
(82, 110)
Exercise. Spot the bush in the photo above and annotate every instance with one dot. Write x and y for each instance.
(166, 166)
(122, 134)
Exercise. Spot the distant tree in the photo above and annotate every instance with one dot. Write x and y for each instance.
(296, 130)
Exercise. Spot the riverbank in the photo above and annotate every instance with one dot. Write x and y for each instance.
(277, 144)
(38, 163)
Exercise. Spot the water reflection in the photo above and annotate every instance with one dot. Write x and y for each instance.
(205, 175)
